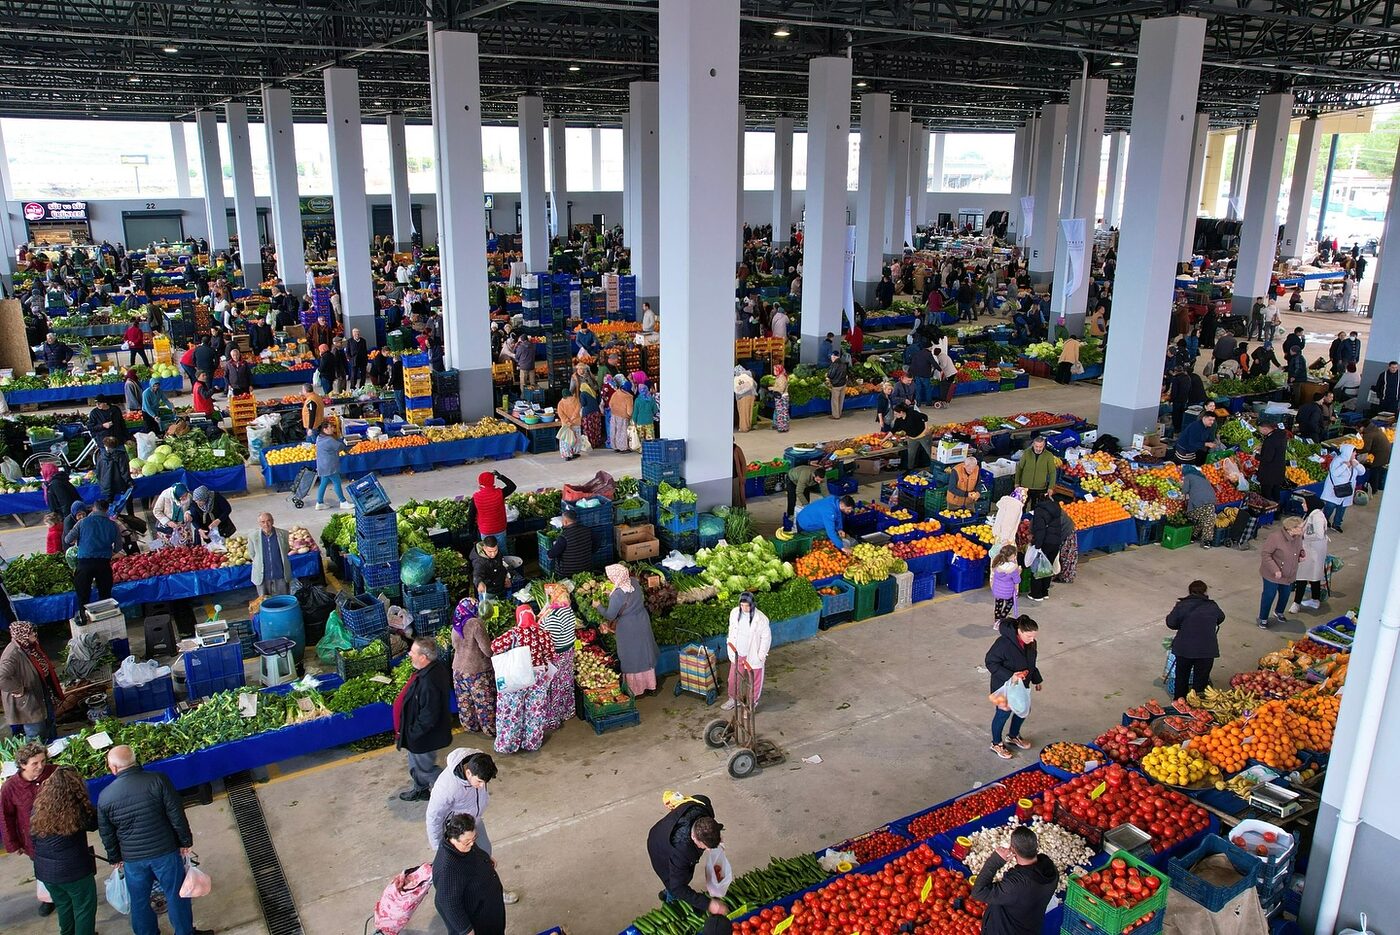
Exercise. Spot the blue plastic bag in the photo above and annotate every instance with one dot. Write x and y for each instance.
(118, 895)
(416, 567)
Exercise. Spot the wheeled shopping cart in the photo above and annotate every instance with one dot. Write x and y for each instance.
(301, 487)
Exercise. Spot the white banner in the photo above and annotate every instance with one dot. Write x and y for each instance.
(849, 288)
(1027, 213)
(1072, 230)
(908, 222)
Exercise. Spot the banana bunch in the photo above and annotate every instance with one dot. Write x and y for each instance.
(1224, 706)
(1241, 786)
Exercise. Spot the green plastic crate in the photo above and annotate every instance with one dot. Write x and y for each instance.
(1176, 537)
(935, 500)
(868, 603)
(790, 549)
(1113, 919)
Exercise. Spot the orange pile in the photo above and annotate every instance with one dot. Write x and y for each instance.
(1087, 513)
(383, 444)
(966, 548)
(1170, 471)
(1318, 714)
(822, 562)
(1271, 736)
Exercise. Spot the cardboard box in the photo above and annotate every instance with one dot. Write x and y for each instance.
(636, 551)
(630, 535)
(951, 452)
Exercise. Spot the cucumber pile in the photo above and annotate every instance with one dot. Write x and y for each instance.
(782, 877)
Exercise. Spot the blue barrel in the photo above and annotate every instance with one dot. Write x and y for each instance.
(281, 616)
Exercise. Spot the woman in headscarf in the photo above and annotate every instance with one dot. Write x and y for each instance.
(1069, 550)
(1344, 473)
(521, 715)
(626, 615)
(745, 391)
(29, 683)
(1312, 569)
(782, 405)
(620, 416)
(59, 492)
(591, 416)
(562, 626)
(1007, 522)
(570, 413)
(472, 675)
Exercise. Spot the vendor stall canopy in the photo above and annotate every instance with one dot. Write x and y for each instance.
(956, 65)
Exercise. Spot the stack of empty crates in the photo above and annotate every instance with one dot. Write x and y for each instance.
(417, 388)
(376, 538)
(612, 293)
(427, 605)
(677, 525)
(320, 308)
(599, 520)
(559, 353)
(447, 398)
(627, 298)
(530, 303)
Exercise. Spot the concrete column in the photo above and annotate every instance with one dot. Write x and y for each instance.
(181, 157)
(698, 51)
(629, 184)
(940, 141)
(872, 180)
(1239, 172)
(1194, 174)
(1215, 167)
(824, 237)
(286, 203)
(782, 179)
(1113, 194)
(739, 186)
(918, 172)
(896, 184)
(399, 199)
(558, 178)
(1259, 236)
(1164, 108)
(1295, 226)
(534, 210)
(212, 169)
(1032, 142)
(352, 228)
(1385, 315)
(245, 204)
(455, 85)
(1049, 162)
(1079, 196)
(646, 153)
(9, 244)
(595, 147)
(1020, 143)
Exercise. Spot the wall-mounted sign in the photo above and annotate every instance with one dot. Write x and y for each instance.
(55, 211)
(490, 202)
(317, 204)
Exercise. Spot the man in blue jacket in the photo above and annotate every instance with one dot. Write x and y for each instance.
(827, 515)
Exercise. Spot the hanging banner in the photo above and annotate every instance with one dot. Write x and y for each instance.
(908, 221)
(849, 278)
(1072, 230)
(1027, 212)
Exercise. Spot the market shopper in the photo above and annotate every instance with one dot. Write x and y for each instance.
(837, 376)
(98, 539)
(131, 392)
(1273, 460)
(423, 717)
(154, 405)
(313, 412)
(1377, 447)
(1387, 389)
(1344, 472)
(1196, 619)
(271, 554)
(782, 403)
(1016, 902)
(467, 893)
(1278, 566)
(462, 789)
(1037, 471)
(1068, 361)
(356, 359)
(114, 472)
(558, 620)
(17, 796)
(1313, 566)
(522, 716)
(676, 843)
(749, 639)
(135, 339)
(63, 861)
(487, 510)
(329, 448)
(1315, 417)
(620, 405)
(644, 408)
(570, 435)
(145, 833)
(626, 616)
(1200, 504)
(827, 517)
(585, 386)
(745, 394)
(1012, 658)
(920, 368)
(1047, 535)
(238, 373)
(472, 675)
(1006, 584)
(489, 573)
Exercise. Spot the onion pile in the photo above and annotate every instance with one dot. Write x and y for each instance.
(1068, 850)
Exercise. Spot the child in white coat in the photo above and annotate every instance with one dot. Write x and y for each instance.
(750, 638)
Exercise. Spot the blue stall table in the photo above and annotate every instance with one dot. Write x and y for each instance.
(393, 460)
(1122, 532)
(60, 394)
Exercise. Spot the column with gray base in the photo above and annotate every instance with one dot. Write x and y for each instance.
(211, 168)
(698, 52)
(940, 149)
(1194, 173)
(286, 202)
(918, 172)
(1079, 194)
(1164, 108)
(645, 151)
(534, 211)
(9, 243)
(352, 230)
(400, 201)
(1259, 235)
(245, 205)
(180, 154)
(739, 187)
(1383, 343)
(455, 84)
(1295, 225)
(559, 177)
(871, 181)
(1239, 172)
(824, 237)
(1049, 162)
(1113, 193)
(896, 184)
(782, 180)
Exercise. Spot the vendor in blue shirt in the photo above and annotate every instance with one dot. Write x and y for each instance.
(1196, 439)
(827, 515)
(98, 539)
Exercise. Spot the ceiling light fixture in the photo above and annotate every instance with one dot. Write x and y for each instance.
(574, 68)
(781, 32)
(170, 49)
(134, 79)
(860, 84)
(1116, 63)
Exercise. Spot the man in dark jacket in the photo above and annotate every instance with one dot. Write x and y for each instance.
(1314, 417)
(104, 420)
(1337, 353)
(205, 357)
(423, 717)
(488, 568)
(238, 373)
(1196, 619)
(1273, 458)
(1179, 392)
(143, 828)
(356, 359)
(1387, 388)
(1016, 903)
(1294, 342)
(676, 843)
(572, 551)
(921, 369)
(884, 292)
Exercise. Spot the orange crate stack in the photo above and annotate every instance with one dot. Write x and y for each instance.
(419, 416)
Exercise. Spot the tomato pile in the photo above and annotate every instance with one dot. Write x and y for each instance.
(983, 802)
(882, 903)
(1166, 814)
(1121, 886)
(163, 562)
(874, 845)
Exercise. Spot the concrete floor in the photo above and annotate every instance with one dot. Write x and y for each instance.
(895, 707)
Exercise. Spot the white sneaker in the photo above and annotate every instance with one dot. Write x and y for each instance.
(321, 506)
(1293, 608)
(728, 705)
(346, 505)
(1311, 605)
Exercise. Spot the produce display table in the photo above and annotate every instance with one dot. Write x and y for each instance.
(393, 460)
(284, 378)
(56, 607)
(61, 394)
(1123, 532)
(885, 322)
(821, 406)
(232, 479)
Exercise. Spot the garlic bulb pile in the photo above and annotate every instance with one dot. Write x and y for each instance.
(1067, 849)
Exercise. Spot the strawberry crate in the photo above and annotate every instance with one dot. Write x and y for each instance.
(1108, 918)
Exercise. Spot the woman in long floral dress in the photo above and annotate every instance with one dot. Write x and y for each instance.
(472, 675)
(782, 405)
(521, 716)
(589, 402)
(562, 626)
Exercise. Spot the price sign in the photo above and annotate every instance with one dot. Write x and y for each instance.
(928, 888)
(1098, 791)
(783, 926)
(100, 740)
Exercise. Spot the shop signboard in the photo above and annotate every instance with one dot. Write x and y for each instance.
(41, 211)
(317, 212)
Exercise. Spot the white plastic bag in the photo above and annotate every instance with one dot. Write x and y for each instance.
(718, 873)
(513, 669)
(1018, 696)
(118, 896)
(1365, 928)
(133, 674)
(146, 443)
(197, 882)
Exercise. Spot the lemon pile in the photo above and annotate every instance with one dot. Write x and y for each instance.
(1178, 766)
(292, 455)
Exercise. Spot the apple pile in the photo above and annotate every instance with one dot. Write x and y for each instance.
(1128, 744)
(1127, 796)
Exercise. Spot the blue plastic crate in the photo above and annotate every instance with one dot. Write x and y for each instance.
(842, 487)
(379, 574)
(663, 451)
(923, 588)
(425, 597)
(214, 669)
(416, 360)
(155, 695)
(963, 575)
(678, 523)
(364, 616)
(378, 548)
(368, 496)
(656, 473)
(375, 525)
(1213, 897)
(599, 515)
(834, 604)
(418, 402)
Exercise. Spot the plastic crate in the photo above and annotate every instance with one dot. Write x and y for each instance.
(1148, 531)
(600, 515)
(663, 451)
(156, 695)
(964, 575)
(1072, 923)
(1213, 897)
(871, 597)
(213, 669)
(686, 542)
(924, 586)
(379, 547)
(935, 500)
(838, 604)
(373, 664)
(421, 401)
(412, 361)
(605, 722)
(1176, 537)
(1111, 918)
(626, 516)
(364, 616)
(379, 574)
(842, 487)
(678, 523)
(903, 590)
(796, 547)
(368, 496)
(656, 473)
